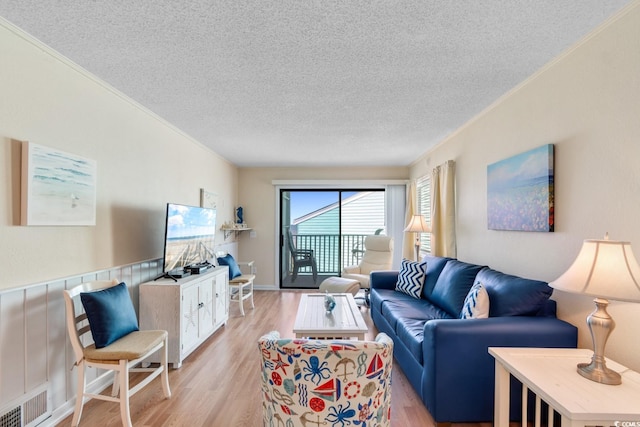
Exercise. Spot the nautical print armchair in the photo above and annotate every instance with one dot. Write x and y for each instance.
(333, 383)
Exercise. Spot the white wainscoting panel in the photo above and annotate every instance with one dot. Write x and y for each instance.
(34, 348)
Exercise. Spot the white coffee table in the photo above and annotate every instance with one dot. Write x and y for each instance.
(345, 321)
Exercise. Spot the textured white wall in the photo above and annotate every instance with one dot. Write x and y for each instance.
(143, 163)
(587, 103)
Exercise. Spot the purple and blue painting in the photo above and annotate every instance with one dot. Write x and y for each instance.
(520, 192)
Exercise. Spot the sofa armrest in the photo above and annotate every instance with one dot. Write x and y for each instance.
(458, 377)
(383, 279)
(351, 269)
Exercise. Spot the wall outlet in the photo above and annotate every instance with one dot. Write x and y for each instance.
(253, 234)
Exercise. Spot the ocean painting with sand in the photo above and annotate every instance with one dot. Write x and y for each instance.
(58, 188)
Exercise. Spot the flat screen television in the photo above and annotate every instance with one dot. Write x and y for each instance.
(189, 237)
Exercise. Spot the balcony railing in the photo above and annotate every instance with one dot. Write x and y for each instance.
(332, 251)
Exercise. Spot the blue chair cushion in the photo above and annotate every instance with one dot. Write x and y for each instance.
(453, 285)
(234, 269)
(110, 313)
(513, 295)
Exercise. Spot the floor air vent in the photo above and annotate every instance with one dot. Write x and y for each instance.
(27, 411)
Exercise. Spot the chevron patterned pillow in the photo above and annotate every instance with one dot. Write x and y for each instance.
(476, 304)
(411, 277)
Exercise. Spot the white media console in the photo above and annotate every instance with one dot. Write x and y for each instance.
(190, 309)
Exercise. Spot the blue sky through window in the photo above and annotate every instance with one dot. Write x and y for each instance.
(305, 202)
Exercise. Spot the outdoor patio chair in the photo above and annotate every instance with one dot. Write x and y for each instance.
(301, 258)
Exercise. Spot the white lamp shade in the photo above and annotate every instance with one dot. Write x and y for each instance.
(417, 225)
(605, 269)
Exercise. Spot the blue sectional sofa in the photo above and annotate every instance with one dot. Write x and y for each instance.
(444, 357)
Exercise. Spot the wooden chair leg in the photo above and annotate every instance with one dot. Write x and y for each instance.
(164, 376)
(125, 414)
(240, 299)
(77, 413)
(116, 384)
(251, 290)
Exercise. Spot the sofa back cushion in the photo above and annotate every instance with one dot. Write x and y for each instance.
(453, 285)
(435, 264)
(513, 295)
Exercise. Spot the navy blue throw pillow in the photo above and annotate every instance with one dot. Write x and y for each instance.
(110, 313)
(234, 269)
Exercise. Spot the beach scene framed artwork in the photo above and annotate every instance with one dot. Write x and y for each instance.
(58, 188)
(520, 191)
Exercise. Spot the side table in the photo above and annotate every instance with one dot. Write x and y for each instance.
(550, 373)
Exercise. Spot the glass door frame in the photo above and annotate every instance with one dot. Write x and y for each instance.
(281, 239)
(395, 215)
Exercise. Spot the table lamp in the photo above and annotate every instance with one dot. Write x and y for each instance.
(417, 225)
(604, 269)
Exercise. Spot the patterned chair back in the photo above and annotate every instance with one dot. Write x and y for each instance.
(313, 383)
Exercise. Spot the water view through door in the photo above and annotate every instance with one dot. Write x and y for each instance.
(321, 231)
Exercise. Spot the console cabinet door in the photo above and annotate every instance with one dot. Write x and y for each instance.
(222, 300)
(207, 305)
(190, 317)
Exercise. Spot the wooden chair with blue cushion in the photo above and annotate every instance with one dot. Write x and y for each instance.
(241, 277)
(110, 320)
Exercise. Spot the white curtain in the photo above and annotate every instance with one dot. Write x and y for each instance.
(395, 213)
(408, 241)
(443, 210)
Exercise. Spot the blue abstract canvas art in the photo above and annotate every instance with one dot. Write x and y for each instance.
(58, 188)
(520, 191)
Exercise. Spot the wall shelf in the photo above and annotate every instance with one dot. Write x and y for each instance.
(233, 230)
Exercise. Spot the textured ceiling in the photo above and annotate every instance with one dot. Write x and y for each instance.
(312, 82)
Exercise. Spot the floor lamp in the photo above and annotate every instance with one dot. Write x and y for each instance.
(603, 269)
(417, 225)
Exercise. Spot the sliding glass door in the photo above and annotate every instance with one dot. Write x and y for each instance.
(321, 231)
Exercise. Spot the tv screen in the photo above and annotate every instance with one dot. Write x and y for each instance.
(189, 236)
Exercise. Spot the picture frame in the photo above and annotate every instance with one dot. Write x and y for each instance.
(208, 199)
(58, 188)
(520, 192)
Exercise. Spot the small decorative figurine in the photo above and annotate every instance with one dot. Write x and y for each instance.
(329, 302)
(239, 215)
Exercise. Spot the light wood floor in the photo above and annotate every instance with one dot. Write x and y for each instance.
(218, 384)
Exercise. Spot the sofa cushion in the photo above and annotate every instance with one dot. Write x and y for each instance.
(410, 308)
(411, 333)
(453, 285)
(476, 304)
(435, 264)
(411, 278)
(378, 296)
(513, 295)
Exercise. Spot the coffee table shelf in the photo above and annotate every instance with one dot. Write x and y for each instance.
(345, 321)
